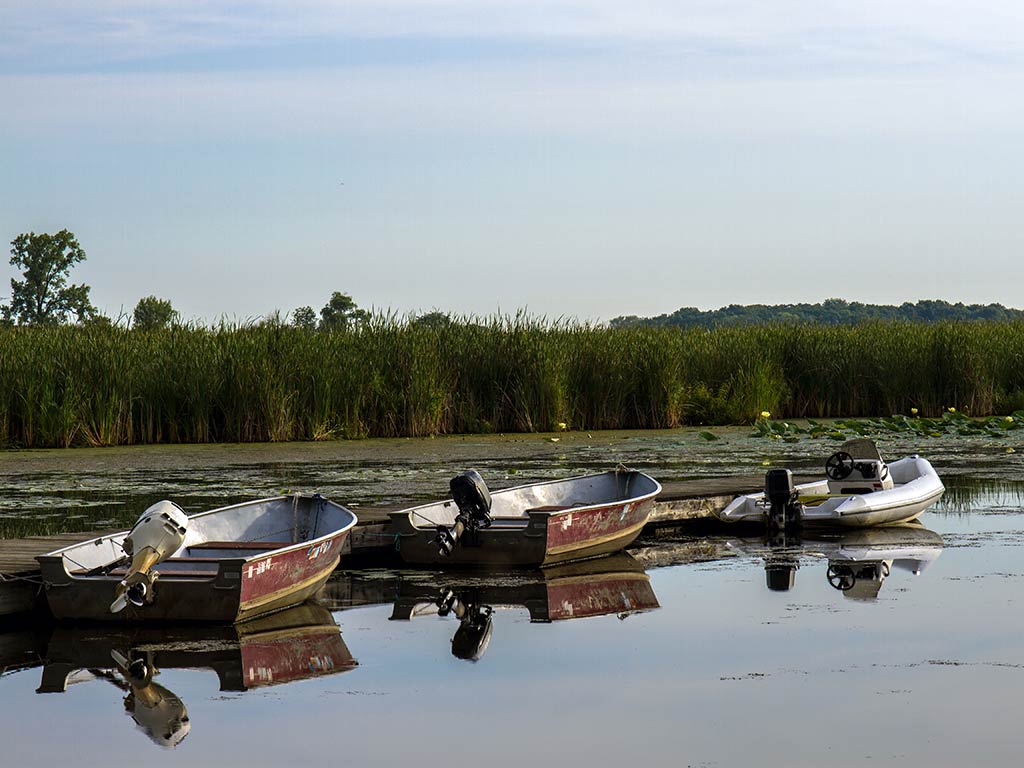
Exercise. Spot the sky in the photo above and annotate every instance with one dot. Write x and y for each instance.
(571, 158)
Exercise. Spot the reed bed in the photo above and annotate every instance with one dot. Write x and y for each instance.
(388, 377)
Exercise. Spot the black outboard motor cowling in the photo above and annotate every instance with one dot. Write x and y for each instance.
(785, 508)
(471, 496)
(469, 491)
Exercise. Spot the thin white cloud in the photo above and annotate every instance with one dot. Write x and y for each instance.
(811, 30)
(527, 100)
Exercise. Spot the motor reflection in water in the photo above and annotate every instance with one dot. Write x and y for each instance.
(859, 561)
(299, 643)
(616, 584)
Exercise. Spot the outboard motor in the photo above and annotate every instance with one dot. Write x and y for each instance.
(157, 535)
(785, 511)
(471, 496)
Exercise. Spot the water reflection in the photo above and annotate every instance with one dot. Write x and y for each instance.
(970, 494)
(858, 561)
(616, 584)
(299, 643)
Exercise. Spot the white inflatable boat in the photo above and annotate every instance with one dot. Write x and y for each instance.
(859, 490)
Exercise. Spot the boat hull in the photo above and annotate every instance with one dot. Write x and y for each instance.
(532, 538)
(229, 586)
(917, 488)
(231, 595)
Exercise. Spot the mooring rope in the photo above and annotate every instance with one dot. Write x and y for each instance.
(28, 578)
(396, 537)
(427, 519)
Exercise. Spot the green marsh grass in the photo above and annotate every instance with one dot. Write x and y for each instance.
(391, 376)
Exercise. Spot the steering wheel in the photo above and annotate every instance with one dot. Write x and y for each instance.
(839, 465)
(841, 578)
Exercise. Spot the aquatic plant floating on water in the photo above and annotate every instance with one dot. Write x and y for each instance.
(952, 423)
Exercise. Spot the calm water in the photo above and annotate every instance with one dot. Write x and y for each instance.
(679, 664)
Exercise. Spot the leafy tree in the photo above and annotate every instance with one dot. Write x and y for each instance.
(44, 297)
(340, 312)
(272, 319)
(305, 318)
(829, 312)
(152, 313)
(98, 321)
(434, 319)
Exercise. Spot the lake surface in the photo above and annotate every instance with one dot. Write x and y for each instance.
(647, 658)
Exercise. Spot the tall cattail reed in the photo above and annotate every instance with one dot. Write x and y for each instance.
(91, 386)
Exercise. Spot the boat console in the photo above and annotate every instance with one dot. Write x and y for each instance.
(849, 475)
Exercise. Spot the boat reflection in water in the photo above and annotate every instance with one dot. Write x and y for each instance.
(295, 644)
(616, 584)
(859, 561)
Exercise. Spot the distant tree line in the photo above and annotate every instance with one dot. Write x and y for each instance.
(44, 297)
(828, 312)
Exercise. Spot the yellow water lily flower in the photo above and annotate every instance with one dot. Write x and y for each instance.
(951, 409)
(913, 411)
(1009, 418)
(765, 415)
(563, 426)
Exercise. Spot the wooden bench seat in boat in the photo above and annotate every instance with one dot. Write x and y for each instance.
(509, 522)
(241, 545)
(197, 573)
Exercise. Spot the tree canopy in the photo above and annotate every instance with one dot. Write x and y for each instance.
(43, 296)
(828, 312)
(338, 313)
(304, 317)
(434, 319)
(152, 313)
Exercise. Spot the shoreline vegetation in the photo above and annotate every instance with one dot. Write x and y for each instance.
(101, 385)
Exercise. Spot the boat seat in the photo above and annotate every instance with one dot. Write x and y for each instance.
(549, 508)
(197, 573)
(509, 522)
(240, 545)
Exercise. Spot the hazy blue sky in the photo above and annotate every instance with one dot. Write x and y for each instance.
(581, 158)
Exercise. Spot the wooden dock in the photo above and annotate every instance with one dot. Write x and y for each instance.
(679, 503)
